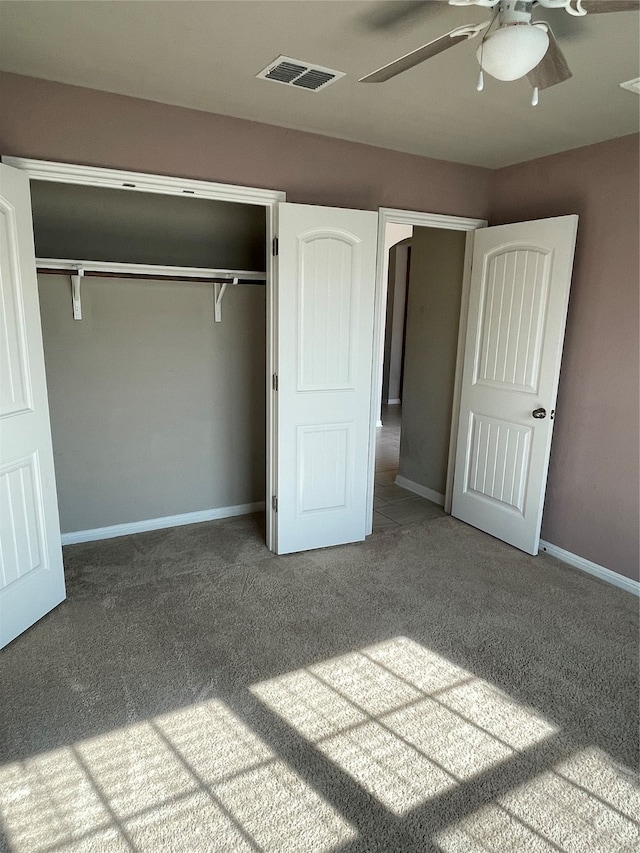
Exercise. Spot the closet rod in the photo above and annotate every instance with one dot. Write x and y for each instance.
(123, 269)
(78, 270)
(161, 277)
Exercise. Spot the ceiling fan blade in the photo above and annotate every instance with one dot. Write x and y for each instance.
(553, 68)
(433, 48)
(595, 7)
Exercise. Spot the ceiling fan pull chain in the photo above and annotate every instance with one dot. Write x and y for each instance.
(480, 85)
(534, 97)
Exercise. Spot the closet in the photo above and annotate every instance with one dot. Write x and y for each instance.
(208, 351)
(153, 319)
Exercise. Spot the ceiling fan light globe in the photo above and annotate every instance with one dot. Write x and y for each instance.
(511, 52)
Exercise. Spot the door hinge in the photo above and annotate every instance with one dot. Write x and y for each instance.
(274, 382)
(276, 246)
(274, 503)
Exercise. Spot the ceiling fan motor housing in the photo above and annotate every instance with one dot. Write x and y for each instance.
(515, 12)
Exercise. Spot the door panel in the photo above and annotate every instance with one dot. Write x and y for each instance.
(520, 283)
(15, 391)
(499, 458)
(514, 298)
(31, 573)
(325, 338)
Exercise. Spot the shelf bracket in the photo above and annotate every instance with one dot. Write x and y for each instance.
(76, 279)
(219, 289)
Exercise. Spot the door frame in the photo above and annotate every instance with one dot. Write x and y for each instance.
(388, 215)
(69, 173)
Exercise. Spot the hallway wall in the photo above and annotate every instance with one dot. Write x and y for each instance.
(433, 317)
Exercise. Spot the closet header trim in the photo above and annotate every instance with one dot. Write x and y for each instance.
(46, 170)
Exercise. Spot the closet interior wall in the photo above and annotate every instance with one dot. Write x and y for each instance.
(156, 409)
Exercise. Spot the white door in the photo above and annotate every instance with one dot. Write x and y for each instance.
(31, 573)
(519, 292)
(326, 289)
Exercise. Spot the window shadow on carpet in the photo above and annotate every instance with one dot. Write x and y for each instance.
(455, 762)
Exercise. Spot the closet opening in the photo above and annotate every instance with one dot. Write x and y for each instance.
(157, 392)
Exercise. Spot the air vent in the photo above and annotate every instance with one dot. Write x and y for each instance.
(294, 72)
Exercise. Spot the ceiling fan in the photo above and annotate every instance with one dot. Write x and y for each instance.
(515, 47)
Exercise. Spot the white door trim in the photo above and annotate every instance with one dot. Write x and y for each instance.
(46, 170)
(97, 176)
(387, 215)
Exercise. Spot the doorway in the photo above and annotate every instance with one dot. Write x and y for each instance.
(420, 335)
(511, 316)
(421, 331)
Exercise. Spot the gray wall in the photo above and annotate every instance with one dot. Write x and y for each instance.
(433, 314)
(394, 322)
(156, 409)
(103, 224)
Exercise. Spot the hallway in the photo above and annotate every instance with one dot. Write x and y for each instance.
(393, 505)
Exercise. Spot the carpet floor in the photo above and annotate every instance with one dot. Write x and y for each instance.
(430, 689)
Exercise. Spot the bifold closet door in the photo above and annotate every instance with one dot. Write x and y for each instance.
(31, 572)
(326, 289)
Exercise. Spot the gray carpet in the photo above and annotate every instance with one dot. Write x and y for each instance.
(431, 689)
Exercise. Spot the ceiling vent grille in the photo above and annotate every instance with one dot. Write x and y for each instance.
(294, 72)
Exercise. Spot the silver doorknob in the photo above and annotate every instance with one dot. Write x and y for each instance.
(539, 413)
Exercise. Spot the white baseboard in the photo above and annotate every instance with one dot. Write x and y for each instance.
(378, 424)
(591, 568)
(396, 401)
(159, 523)
(423, 491)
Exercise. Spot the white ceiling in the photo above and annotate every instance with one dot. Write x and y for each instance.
(205, 55)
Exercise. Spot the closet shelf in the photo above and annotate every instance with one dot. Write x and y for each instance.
(76, 269)
(118, 270)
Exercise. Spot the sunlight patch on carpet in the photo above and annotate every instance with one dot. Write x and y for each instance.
(196, 779)
(584, 803)
(409, 726)
(403, 721)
